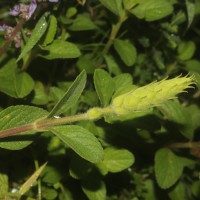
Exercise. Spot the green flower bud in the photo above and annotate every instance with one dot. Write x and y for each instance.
(150, 95)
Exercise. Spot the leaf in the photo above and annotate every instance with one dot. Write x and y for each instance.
(40, 95)
(104, 86)
(29, 183)
(114, 6)
(87, 63)
(152, 10)
(175, 112)
(113, 66)
(116, 160)
(37, 33)
(94, 187)
(128, 4)
(52, 174)
(197, 78)
(168, 168)
(83, 142)
(123, 84)
(193, 65)
(79, 168)
(195, 188)
(82, 22)
(179, 192)
(190, 6)
(51, 31)
(49, 193)
(4, 185)
(14, 82)
(16, 116)
(71, 96)
(126, 51)
(60, 49)
(186, 50)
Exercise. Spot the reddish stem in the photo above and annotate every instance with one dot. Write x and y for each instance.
(12, 131)
(11, 38)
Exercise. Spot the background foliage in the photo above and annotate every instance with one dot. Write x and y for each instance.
(120, 44)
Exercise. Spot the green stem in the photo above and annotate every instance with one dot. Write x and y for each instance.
(64, 120)
(39, 185)
(114, 31)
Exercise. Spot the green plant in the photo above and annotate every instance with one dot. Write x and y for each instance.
(100, 136)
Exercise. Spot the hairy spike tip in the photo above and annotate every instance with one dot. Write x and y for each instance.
(151, 95)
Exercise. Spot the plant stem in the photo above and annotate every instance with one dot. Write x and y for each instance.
(39, 186)
(190, 145)
(114, 31)
(11, 38)
(12, 131)
(42, 125)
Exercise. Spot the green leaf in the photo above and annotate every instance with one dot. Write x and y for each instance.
(29, 183)
(83, 142)
(49, 193)
(16, 116)
(196, 188)
(152, 10)
(151, 188)
(15, 82)
(114, 6)
(60, 49)
(168, 168)
(186, 50)
(128, 4)
(71, 96)
(190, 6)
(94, 187)
(51, 31)
(175, 112)
(82, 22)
(179, 192)
(104, 86)
(40, 95)
(126, 51)
(193, 65)
(4, 185)
(123, 84)
(79, 168)
(197, 78)
(71, 11)
(113, 66)
(116, 160)
(87, 63)
(52, 174)
(37, 33)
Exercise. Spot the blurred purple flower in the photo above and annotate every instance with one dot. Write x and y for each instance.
(26, 11)
(3, 27)
(9, 30)
(32, 7)
(15, 11)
